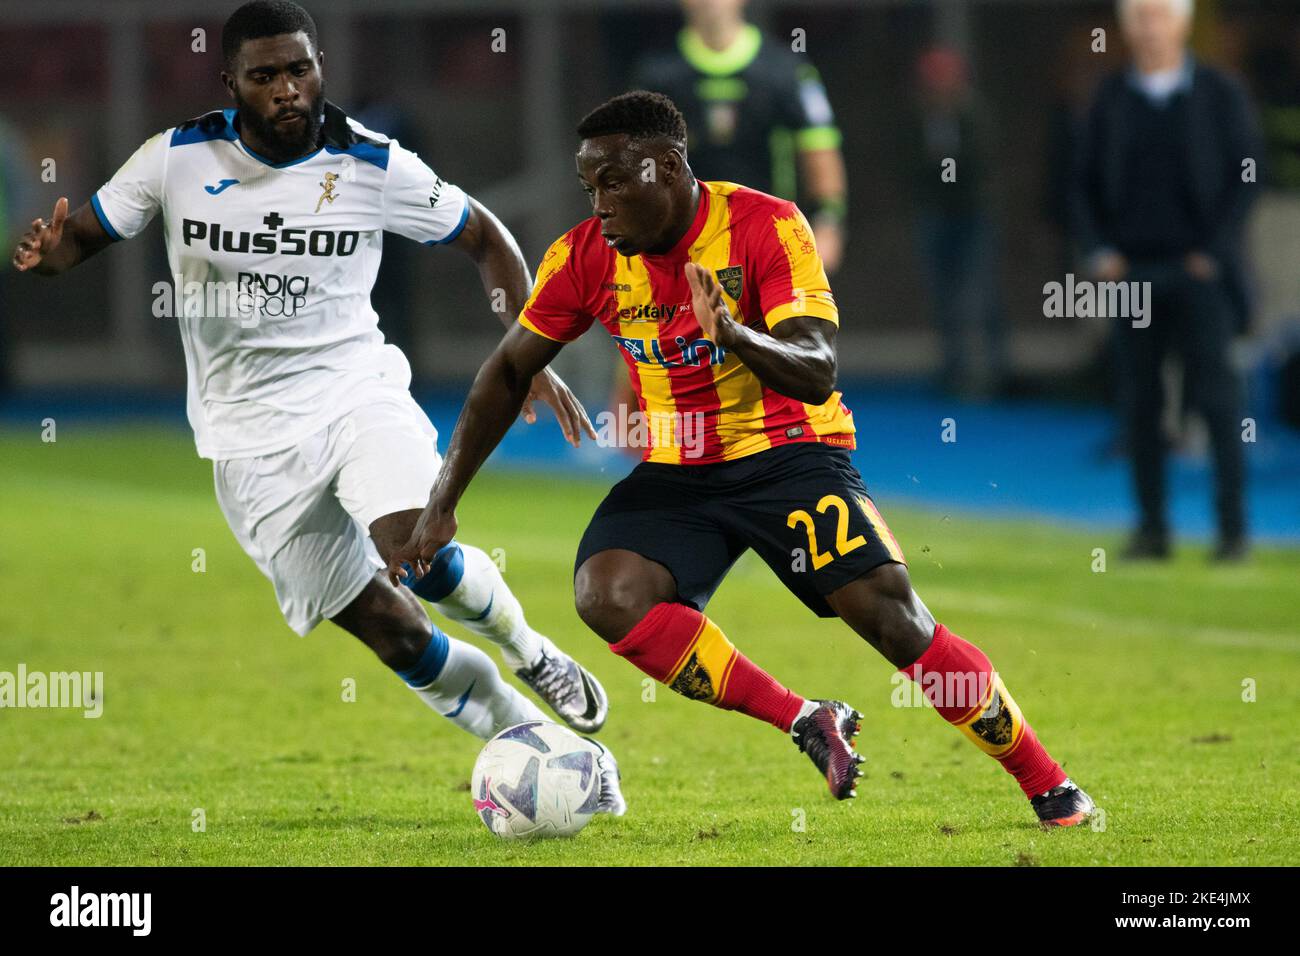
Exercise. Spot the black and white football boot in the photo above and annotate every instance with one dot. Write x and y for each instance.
(1065, 805)
(824, 730)
(567, 688)
(611, 788)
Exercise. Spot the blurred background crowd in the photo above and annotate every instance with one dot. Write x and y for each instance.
(1051, 110)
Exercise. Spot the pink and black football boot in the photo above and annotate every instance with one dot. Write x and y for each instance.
(824, 730)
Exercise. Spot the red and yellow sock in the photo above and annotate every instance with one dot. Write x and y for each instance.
(680, 647)
(952, 673)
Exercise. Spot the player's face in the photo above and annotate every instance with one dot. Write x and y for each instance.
(279, 89)
(629, 192)
(713, 11)
(1155, 29)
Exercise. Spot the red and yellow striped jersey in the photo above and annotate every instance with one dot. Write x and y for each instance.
(699, 404)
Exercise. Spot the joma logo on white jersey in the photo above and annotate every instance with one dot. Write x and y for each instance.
(103, 909)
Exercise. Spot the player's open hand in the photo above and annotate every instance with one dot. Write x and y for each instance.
(710, 309)
(433, 532)
(549, 388)
(44, 236)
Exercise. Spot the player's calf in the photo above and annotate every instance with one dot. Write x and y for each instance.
(884, 610)
(630, 601)
(680, 647)
(456, 679)
(466, 586)
(960, 681)
(957, 678)
(388, 621)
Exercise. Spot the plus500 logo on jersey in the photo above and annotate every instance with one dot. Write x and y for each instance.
(283, 242)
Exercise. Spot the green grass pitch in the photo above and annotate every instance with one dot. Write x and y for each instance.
(1133, 678)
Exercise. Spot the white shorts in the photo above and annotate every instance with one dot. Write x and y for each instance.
(303, 514)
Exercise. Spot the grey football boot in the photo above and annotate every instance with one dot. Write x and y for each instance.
(567, 688)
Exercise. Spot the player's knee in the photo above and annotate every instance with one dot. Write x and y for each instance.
(606, 609)
(611, 604)
(393, 530)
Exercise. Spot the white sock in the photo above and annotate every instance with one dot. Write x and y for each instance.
(482, 589)
(808, 707)
(470, 693)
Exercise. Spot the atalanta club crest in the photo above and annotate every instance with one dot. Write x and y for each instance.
(732, 280)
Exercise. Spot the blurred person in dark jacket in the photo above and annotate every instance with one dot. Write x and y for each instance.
(1161, 196)
(948, 157)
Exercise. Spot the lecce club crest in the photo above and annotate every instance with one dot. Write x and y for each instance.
(732, 280)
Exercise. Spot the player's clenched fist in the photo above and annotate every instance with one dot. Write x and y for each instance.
(710, 309)
(432, 533)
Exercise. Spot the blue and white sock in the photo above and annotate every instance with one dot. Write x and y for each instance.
(460, 682)
(466, 586)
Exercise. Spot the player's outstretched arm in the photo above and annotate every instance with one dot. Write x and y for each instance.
(797, 359)
(55, 245)
(504, 274)
(495, 399)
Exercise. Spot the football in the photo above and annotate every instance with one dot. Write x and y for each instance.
(536, 779)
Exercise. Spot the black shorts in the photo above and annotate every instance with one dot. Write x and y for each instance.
(802, 507)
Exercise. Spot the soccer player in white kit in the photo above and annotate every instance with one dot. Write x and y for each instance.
(322, 460)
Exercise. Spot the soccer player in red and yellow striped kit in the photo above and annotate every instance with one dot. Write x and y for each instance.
(718, 302)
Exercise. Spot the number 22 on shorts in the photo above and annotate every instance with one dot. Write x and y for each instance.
(843, 543)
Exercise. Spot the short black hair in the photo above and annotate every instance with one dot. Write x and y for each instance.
(264, 18)
(639, 114)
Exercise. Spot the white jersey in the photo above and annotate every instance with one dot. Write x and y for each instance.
(274, 264)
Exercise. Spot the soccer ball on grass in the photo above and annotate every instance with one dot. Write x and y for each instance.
(536, 779)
